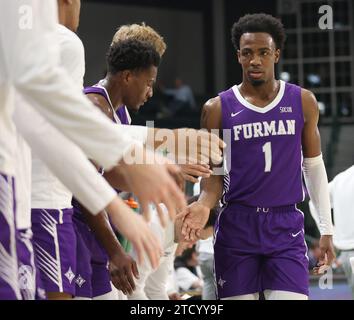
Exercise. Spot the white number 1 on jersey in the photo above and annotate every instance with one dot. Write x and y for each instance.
(267, 149)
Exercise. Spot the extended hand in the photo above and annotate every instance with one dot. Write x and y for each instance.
(154, 183)
(191, 172)
(123, 268)
(133, 227)
(195, 218)
(202, 146)
(327, 255)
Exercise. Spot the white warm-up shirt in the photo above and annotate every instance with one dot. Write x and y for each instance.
(48, 192)
(30, 64)
(74, 169)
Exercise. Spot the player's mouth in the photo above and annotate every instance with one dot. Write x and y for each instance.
(255, 74)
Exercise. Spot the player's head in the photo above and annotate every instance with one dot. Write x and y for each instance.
(134, 65)
(69, 13)
(141, 32)
(258, 39)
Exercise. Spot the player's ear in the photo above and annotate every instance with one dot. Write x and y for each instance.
(239, 56)
(126, 75)
(277, 55)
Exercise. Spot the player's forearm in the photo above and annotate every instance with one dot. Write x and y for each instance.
(317, 186)
(178, 230)
(40, 79)
(117, 179)
(103, 232)
(74, 170)
(211, 191)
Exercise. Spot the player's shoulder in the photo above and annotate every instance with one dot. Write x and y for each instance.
(211, 113)
(309, 101)
(212, 104)
(69, 39)
(310, 107)
(212, 108)
(99, 101)
(307, 94)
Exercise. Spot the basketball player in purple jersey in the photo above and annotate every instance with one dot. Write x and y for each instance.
(132, 69)
(259, 236)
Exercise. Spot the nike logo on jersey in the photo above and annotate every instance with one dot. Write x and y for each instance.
(295, 234)
(234, 114)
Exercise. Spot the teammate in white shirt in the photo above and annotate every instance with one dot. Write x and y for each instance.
(29, 279)
(341, 190)
(53, 232)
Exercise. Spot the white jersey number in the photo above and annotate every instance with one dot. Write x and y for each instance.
(267, 149)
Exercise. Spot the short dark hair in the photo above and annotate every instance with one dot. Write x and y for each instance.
(131, 54)
(258, 22)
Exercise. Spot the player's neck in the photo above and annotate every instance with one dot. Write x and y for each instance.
(265, 91)
(113, 91)
(63, 19)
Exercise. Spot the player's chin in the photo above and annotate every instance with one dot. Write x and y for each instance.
(256, 82)
(136, 107)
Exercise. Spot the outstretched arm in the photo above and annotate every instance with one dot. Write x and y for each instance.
(123, 268)
(316, 176)
(211, 188)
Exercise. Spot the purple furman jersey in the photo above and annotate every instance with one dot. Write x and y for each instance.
(121, 113)
(266, 156)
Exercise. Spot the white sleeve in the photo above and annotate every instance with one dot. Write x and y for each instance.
(32, 59)
(317, 185)
(63, 158)
(171, 279)
(312, 208)
(331, 188)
